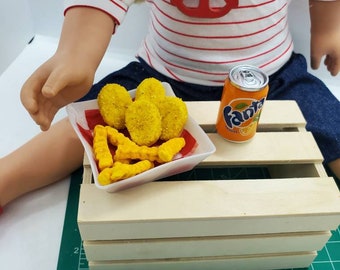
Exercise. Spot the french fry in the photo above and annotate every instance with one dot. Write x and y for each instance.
(101, 148)
(170, 148)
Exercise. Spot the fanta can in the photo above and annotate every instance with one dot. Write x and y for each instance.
(244, 93)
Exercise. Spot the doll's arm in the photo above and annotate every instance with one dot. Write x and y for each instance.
(325, 34)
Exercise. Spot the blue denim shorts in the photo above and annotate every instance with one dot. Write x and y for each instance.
(320, 107)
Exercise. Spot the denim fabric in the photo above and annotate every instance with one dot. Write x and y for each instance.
(292, 82)
(319, 106)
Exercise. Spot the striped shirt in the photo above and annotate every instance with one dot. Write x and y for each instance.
(200, 41)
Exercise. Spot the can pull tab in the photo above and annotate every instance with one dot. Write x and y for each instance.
(248, 77)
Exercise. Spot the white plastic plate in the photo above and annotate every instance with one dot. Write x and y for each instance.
(76, 114)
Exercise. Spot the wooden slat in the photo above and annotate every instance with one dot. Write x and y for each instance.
(231, 224)
(207, 208)
(295, 149)
(273, 261)
(275, 114)
(87, 172)
(204, 246)
(266, 148)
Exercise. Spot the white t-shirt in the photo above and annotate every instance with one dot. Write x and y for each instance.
(202, 50)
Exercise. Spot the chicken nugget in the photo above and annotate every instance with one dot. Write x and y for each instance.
(151, 89)
(143, 121)
(174, 115)
(113, 100)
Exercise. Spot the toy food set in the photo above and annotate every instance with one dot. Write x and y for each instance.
(134, 137)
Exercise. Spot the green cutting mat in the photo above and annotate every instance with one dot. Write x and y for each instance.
(72, 255)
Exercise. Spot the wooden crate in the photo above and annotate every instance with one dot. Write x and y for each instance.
(222, 224)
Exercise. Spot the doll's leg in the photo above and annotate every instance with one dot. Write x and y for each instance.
(45, 159)
(335, 167)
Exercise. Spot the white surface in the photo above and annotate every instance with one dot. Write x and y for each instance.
(46, 17)
(31, 227)
(20, 33)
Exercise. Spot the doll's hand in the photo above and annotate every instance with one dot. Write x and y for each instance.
(325, 35)
(68, 75)
(56, 83)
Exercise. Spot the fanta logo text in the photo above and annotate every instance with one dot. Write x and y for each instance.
(236, 117)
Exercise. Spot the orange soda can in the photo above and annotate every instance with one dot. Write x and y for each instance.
(244, 93)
